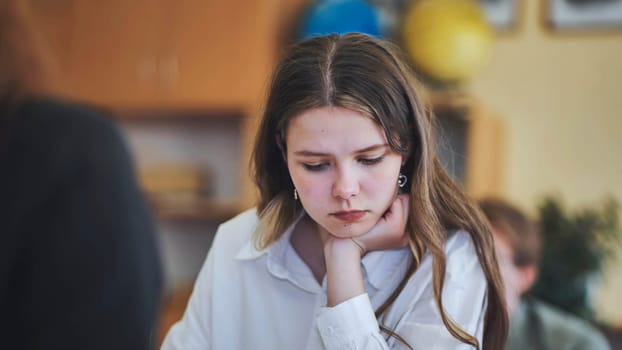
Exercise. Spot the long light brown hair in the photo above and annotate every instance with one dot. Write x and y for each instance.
(369, 76)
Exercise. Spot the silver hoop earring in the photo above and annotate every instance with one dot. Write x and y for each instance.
(295, 195)
(401, 180)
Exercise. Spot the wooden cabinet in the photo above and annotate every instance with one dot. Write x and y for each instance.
(471, 143)
(162, 53)
(177, 55)
(106, 51)
(216, 53)
(486, 154)
(114, 52)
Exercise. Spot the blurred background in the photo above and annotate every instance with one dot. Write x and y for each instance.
(527, 95)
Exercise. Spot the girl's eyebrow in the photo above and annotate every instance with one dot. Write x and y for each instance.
(306, 153)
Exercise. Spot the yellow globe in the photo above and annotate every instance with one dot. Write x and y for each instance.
(450, 40)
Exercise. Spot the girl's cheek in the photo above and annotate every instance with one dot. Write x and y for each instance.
(311, 187)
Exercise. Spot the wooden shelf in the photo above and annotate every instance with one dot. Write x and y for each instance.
(179, 114)
(196, 208)
(480, 138)
(449, 100)
(173, 306)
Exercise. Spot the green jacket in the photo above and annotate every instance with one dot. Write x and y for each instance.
(538, 326)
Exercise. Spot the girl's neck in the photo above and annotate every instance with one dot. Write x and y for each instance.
(308, 241)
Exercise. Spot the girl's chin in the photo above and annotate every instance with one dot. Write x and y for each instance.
(349, 230)
(346, 235)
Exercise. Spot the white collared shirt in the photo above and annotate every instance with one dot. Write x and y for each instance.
(249, 299)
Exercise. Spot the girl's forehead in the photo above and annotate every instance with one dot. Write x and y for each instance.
(323, 116)
(333, 128)
(330, 117)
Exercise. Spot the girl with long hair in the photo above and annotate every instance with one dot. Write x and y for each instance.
(360, 239)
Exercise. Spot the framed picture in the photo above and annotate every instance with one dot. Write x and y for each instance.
(584, 14)
(502, 14)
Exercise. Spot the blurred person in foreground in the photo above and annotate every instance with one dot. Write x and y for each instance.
(79, 267)
(534, 324)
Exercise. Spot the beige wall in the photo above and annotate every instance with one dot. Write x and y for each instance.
(560, 97)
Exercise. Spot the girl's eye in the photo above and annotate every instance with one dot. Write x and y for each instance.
(371, 161)
(315, 167)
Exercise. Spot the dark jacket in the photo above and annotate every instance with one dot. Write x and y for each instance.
(79, 266)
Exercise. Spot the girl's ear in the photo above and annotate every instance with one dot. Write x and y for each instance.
(527, 277)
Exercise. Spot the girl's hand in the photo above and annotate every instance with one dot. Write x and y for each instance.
(390, 231)
(343, 255)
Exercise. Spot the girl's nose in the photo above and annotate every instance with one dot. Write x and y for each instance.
(346, 185)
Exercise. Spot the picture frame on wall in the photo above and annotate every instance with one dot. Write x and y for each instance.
(584, 14)
(502, 14)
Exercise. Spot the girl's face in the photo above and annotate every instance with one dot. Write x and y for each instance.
(343, 169)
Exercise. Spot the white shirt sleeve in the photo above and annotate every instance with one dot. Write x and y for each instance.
(350, 325)
(353, 325)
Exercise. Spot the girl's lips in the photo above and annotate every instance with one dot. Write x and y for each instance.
(349, 216)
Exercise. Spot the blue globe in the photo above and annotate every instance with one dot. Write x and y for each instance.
(341, 16)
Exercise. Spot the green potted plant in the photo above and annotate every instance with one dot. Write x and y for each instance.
(575, 247)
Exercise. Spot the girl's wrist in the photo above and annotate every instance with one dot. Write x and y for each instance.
(343, 248)
(343, 270)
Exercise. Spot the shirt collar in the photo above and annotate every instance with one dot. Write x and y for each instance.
(379, 267)
(282, 262)
(250, 252)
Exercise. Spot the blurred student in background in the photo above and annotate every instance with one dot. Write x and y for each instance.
(534, 324)
(79, 267)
